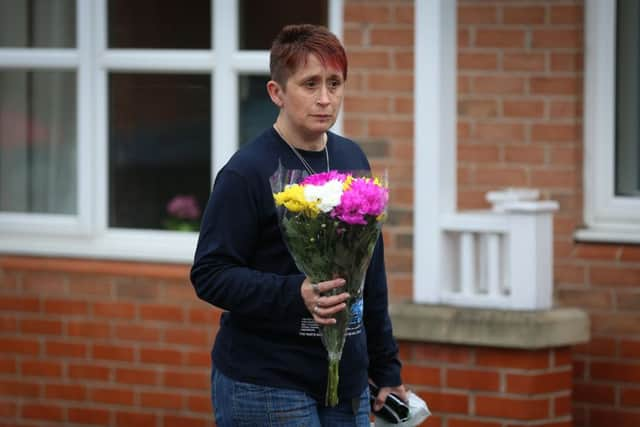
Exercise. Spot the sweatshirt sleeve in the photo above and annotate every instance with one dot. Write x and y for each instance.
(384, 365)
(221, 274)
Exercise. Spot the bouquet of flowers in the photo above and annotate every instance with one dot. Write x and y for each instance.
(330, 223)
(183, 213)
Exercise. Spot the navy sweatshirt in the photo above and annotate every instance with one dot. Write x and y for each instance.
(242, 266)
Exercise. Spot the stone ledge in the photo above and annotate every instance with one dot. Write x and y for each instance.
(557, 327)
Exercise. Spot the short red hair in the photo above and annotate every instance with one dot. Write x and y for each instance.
(295, 42)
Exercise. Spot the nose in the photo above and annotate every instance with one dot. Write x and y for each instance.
(323, 96)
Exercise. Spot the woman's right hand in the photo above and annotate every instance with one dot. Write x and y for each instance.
(322, 308)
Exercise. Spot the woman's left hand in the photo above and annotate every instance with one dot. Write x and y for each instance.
(384, 392)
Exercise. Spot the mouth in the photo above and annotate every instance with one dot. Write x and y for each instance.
(322, 116)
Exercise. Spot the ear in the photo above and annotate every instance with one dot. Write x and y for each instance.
(275, 93)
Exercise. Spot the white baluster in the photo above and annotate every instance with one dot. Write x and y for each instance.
(467, 262)
(494, 275)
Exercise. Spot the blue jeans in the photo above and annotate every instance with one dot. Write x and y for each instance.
(238, 404)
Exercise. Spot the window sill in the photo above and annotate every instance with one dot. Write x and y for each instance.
(607, 235)
(558, 327)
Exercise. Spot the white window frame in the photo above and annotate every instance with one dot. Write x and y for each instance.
(608, 218)
(87, 233)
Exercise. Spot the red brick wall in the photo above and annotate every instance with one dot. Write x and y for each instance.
(102, 343)
(490, 387)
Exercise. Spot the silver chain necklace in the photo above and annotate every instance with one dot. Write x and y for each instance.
(306, 165)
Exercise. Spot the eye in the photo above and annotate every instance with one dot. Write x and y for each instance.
(334, 83)
(310, 84)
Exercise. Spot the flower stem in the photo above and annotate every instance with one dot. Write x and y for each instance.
(331, 397)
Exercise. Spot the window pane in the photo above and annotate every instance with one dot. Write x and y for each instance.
(260, 21)
(159, 24)
(159, 148)
(38, 141)
(628, 99)
(257, 112)
(38, 23)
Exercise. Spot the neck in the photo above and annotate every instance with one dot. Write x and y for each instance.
(314, 142)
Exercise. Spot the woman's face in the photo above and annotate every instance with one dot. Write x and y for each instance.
(312, 97)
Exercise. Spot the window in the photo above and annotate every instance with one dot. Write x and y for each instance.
(112, 113)
(611, 134)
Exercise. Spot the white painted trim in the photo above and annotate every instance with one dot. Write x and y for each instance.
(165, 61)
(336, 25)
(434, 140)
(39, 58)
(607, 216)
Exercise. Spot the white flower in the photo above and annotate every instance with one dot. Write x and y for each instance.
(327, 195)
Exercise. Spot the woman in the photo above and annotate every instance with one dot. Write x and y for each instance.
(269, 365)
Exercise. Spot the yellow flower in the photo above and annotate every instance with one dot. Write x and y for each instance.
(292, 198)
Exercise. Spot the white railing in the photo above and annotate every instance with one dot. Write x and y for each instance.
(500, 258)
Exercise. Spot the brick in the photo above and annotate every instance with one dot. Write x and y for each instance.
(66, 306)
(47, 412)
(112, 352)
(367, 13)
(88, 371)
(517, 359)
(160, 355)
(20, 388)
(137, 288)
(630, 397)
(477, 61)
(188, 336)
(446, 402)
(630, 253)
(390, 128)
(561, 407)
(390, 82)
(597, 251)
(8, 409)
(464, 38)
(502, 84)
(89, 285)
(554, 178)
(20, 346)
(8, 325)
(524, 15)
(187, 380)
(565, 156)
(524, 154)
(567, 14)
(161, 400)
(612, 276)
(579, 370)
(500, 38)
(200, 404)
(585, 298)
(483, 153)
(181, 421)
(198, 358)
(594, 393)
(367, 104)
(65, 391)
(88, 329)
(403, 14)
(403, 60)
(599, 346)
(137, 333)
(368, 59)
(422, 375)
(89, 416)
(477, 14)
(165, 313)
(65, 349)
(563, 357)
(555, 85)
(625, 323)
(136, 376)
(8, 366)
(135, 419)
(112, 396)
(41, 368)
(539, 383)
(614, 417)
(8, 303)
(611, 371)
(519, 409)
(556, 39)
(114, 310)
(47, 283)
(454, 422)
(478, 108)
(450, 354)
(473, 380)
(627, 301)
(501, 176)
(41, 326)
(391, 37)
(523, 108)
(630, 349)
(499, 132)
(555, 133)
(566, 62)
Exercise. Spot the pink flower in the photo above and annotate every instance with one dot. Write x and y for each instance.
(363, 198)
(324, 177)
(184, 207)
